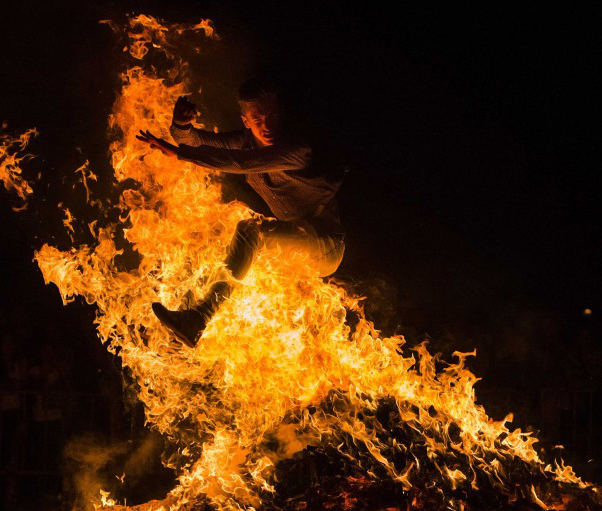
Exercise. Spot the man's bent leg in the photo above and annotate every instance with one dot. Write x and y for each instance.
(188, 325)
(244, 246)
(324, 250)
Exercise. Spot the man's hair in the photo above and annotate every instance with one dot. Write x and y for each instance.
(255, 89)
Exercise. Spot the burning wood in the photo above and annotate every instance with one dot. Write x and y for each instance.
(281, 405)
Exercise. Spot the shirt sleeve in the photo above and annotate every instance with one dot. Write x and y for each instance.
(195, 137)
(251, 161)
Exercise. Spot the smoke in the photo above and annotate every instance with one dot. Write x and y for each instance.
(143, 459)
(88, 461)
(90, 465)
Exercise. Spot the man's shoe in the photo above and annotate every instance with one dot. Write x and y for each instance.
(187, 325)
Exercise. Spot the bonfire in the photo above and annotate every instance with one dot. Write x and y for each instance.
(284, 404)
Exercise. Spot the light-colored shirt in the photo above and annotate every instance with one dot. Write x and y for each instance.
(282, 174)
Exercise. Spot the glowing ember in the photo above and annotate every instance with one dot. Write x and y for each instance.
(277, 369)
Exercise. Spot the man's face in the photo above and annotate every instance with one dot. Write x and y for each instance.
(263, 119)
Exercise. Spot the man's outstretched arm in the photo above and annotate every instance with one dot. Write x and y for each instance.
(281, 158)
(284, 158)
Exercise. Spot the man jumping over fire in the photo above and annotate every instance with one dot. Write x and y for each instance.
(298, 191)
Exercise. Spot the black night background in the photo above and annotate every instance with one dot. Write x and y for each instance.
(472, 206)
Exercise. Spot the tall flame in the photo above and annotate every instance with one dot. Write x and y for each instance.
(278, 367)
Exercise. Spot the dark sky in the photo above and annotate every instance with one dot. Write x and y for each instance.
(470, 133)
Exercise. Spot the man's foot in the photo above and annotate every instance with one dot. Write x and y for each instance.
(187, 325)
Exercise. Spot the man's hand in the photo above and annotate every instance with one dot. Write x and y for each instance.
(184, 111)
(158, 143)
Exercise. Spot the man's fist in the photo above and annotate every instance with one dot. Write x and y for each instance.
(184, 111)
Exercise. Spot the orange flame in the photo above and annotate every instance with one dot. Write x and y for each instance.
(11, 156)
(277, 347)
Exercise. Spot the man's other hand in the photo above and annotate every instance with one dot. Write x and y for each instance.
(184, 111)
(158, 143)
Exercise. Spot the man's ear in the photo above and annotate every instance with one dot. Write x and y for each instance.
(245, 121)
